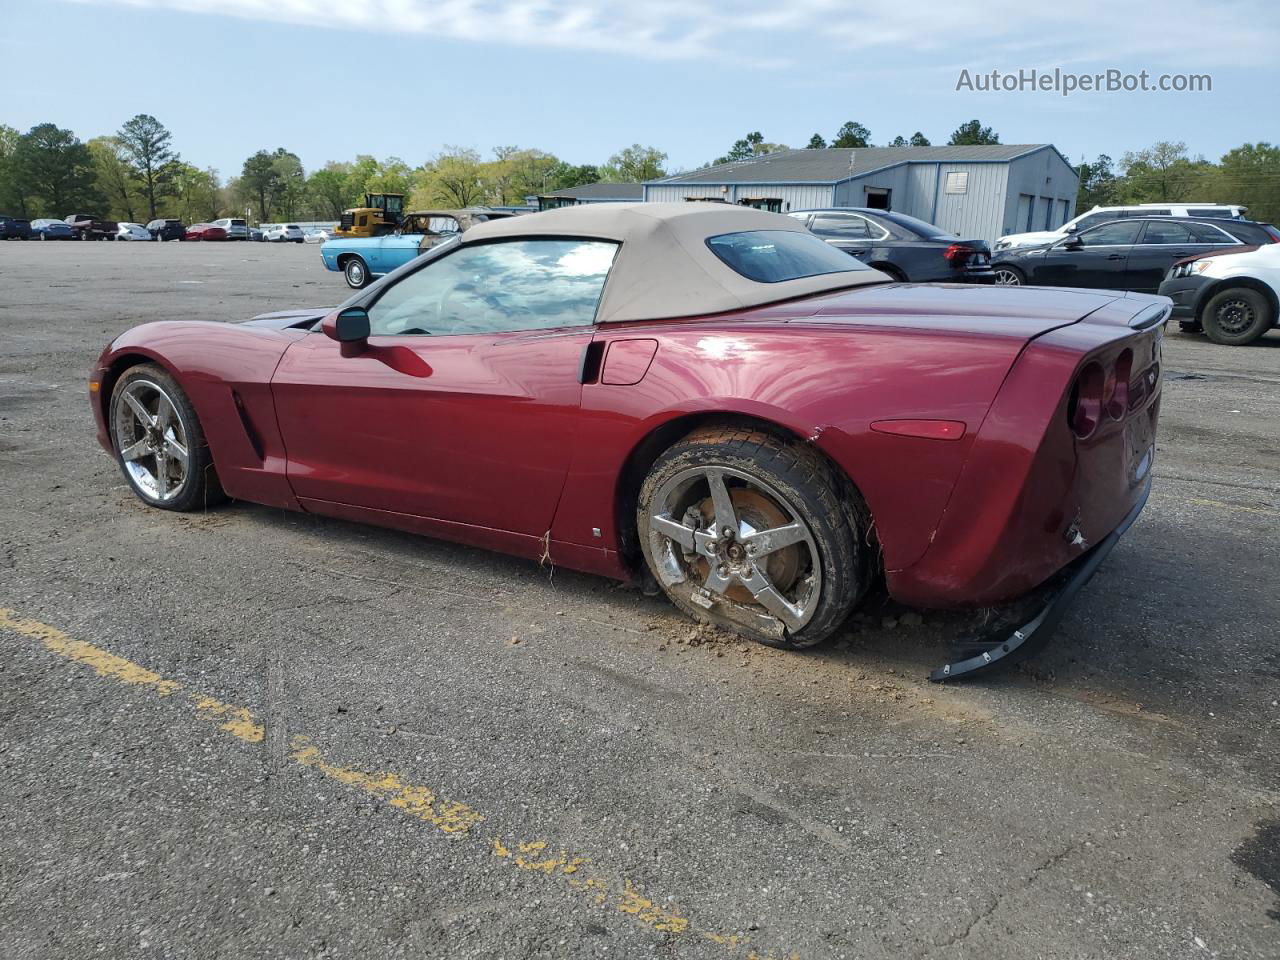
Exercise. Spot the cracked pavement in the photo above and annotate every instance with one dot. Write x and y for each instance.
(1114, 797)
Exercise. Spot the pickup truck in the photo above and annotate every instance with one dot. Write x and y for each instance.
(85, 226)
(361, 260)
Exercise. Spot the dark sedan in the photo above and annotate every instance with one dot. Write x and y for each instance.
(46, 229)
(167, 229)
(1124, 254)
(901, 246)
(15, 228)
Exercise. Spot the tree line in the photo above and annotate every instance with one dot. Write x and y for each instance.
(137, 174)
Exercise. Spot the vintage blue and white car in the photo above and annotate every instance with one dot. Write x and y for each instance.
(363, 259)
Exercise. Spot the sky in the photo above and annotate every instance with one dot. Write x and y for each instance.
(330, 79)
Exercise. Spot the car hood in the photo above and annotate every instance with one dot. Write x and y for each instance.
(287, 319)
(1015, 312)
(1033, 239)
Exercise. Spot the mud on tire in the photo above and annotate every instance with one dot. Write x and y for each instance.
(770, 480)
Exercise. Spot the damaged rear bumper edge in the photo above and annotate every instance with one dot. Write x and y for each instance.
(1033, 634)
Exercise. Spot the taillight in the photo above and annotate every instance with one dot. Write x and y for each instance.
(1118, 393)
(1084, 406)
(957, 254)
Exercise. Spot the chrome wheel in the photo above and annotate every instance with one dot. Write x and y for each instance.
(1007, 278)
(151, 440)
(356, 275)
(729, 537)
(1235, 316)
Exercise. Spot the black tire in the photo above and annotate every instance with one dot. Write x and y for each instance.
(1189, 326)
(356, 272)
(891, 270)
(788, 474)
(1236, 316)
(200, 487)
(1012, 276)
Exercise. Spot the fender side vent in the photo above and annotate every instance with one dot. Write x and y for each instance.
(250, 432)
(589, 367)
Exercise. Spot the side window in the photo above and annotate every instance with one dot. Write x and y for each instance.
(1120, 233)
(498, 288)
(1161, 231)
(1208, 233)
(841, 227)
(1084, 223)
(443, 225)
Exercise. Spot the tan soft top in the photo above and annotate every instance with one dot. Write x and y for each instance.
(664, 267)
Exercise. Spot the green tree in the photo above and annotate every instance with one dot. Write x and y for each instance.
(453, 178)
(147, 142)
(568, 175)
(816, 142)
(289, 186)
(197, 195)
(918, 139)
(1163, 172)
(852, 134)
(742, 149)
(55, 172)
(12, 191)
(118, 179)
(634, 164)
(329, 190)
(258, 182)
(1097, 184)
(971, 133)
(1250, 174)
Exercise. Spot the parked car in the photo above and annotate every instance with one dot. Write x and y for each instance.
(901, 246)
(86, 226)
(362, 259)
(284, 233)
(15, 228)
(752, 416)
(1100, 215)
(205, 231)
(255, 234)
(167, 229)
(1233, 296)
(315, 235)
(47, 229)
(133, 231)
(1120, 255)
(236, 229)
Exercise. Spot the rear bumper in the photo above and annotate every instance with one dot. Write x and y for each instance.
(1033, 634)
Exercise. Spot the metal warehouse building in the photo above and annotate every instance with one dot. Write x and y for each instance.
(981, 192)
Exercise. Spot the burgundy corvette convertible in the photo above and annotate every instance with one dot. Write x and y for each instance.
(707, 393)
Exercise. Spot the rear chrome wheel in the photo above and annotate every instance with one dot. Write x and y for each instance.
(159, 443)
(356, 273)
(1007, 277)
(750, 532)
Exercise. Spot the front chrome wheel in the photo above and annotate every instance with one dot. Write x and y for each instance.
(152, 440)
(356, 274)
(719, 534)
(1007, 278)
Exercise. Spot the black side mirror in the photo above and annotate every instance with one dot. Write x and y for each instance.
(351, 325)
(350, 328)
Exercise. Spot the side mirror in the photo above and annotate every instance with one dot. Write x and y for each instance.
(350, 327)
(1070, 229)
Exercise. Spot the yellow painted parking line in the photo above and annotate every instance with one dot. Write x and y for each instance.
(606, 889)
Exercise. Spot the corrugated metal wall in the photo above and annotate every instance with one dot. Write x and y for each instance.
(853, 193)
(1046, 180)
(793, 196)
(977, 213)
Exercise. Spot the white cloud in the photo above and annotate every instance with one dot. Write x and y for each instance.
(1183, 35)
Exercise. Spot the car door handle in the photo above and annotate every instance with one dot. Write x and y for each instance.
(1116, 256)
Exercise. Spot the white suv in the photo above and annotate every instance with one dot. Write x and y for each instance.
(285, 233)
(1103, 214)
(236, 228)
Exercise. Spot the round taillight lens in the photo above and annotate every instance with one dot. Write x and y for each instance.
(1084, 406)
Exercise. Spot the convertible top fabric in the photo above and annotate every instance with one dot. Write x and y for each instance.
(664, 267)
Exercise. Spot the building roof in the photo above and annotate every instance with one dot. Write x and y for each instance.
(602, 191)
(833, 164)
(664, 267)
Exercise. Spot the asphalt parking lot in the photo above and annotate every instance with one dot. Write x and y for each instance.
(249, 733)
